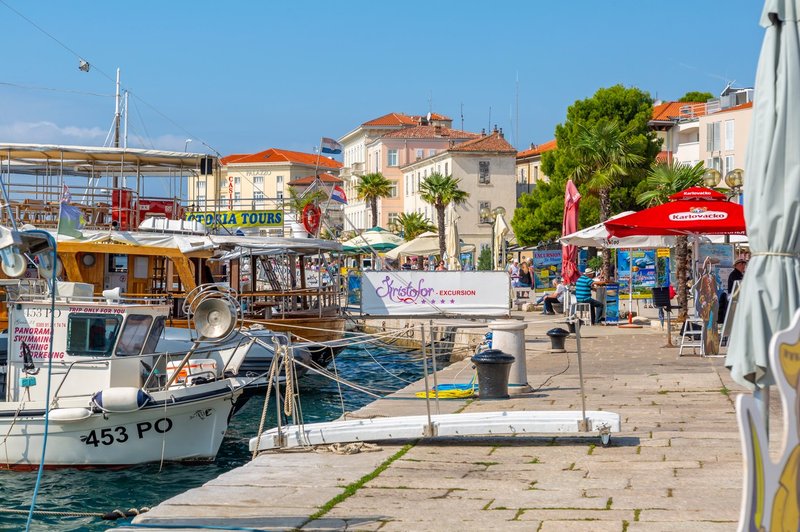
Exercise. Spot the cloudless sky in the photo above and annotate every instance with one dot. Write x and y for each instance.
(246, 76)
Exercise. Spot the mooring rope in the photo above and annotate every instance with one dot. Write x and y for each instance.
(113, 515)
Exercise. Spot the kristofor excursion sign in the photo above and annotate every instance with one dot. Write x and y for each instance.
(239, 218)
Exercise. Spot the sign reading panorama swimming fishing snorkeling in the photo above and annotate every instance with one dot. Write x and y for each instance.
(238, 218)
(422, 293)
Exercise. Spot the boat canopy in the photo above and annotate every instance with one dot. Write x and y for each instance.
(267, 245)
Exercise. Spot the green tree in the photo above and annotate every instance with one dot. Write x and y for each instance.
(485, 259)
(663, 181)
(372, 187)
(539, 215)
(440, 191)
(604, 153)
(696, 96)
(414, 224)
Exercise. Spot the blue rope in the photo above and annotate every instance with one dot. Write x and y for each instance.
(52, 241)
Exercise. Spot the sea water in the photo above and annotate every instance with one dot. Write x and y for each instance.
(99, 491)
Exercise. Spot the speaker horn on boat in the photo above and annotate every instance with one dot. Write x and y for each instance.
(113, 295)
(214, 318)
(13, 262)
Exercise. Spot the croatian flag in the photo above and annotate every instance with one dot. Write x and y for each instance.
(330, 146)
(338, 194)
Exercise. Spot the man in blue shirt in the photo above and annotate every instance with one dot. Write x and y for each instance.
(583, 294)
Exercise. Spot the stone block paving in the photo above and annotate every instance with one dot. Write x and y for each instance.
(676, 465)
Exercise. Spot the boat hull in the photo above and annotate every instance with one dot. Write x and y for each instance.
(189, 429)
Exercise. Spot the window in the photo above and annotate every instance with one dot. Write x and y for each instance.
(155, 335)
(393, 189)
(729, 164)
(431, 152)
(729, 135)
(407, 179)
(258, 194)
(521, 175)
(484, 205)
(393, 218)
(377, 161)
(420, 154)
(117, 263)
(201, 187)
(279, 194)
(201, 198)
(237, 198)
(279, 180)
(715, 163)
(92, 334)
(258, 180)
(392, 158)
(536, 173)
(483, 173)
(445, 169)
(237, 180)
(133, 335)
(713, 140)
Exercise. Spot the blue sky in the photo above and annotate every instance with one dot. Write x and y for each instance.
(246, 76)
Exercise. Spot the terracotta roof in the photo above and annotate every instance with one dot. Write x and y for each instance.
(669, 111)
(437, 116)
(392, 119)
(747, 105)
(275, 155)
(494, 143)
(325, 178)
(662, 157)
(232, 157)
(538, 150)
(429, 132)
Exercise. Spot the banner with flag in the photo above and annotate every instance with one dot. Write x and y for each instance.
(330, 146)
(70, 218)
(338, 194)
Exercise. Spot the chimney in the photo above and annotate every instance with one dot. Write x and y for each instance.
(483, 132)
(437, 130)
(533, 146)
(495, 129)
(501, 133)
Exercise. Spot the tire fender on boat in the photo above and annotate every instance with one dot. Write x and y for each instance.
(121, 399)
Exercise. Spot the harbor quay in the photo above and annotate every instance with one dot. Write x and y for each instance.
(675, 465)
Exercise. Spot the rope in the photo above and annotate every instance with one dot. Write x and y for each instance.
(350, 448)
(270, 379)
(775, 254)
(109, 516)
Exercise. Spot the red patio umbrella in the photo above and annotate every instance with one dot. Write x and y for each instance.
(569, 254)
(696, 210)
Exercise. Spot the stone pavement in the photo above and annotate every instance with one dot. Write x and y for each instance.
(676, 465)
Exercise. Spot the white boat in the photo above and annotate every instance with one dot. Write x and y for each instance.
(111, 400)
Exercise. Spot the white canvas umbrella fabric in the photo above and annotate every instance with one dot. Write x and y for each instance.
(425, 244)
(376, 238)
(597, 236)
(452, 244)
(501, 229)
(770, 290)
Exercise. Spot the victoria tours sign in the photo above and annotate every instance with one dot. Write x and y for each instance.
(423, 293)
(234, 219)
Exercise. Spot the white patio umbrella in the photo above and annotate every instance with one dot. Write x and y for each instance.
(501, 229)
(425, 244)
(597, 236)
(770, 290)
(452, 244)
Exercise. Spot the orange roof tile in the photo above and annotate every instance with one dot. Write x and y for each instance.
(538, 149)
(325, 178)
(494, 143)
(275, 155)
(669, 111)
(429, 132)
(392, 119)
(747, 105)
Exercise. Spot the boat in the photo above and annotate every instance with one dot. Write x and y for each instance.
(83, 377)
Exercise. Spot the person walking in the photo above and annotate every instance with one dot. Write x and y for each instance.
(583, 294)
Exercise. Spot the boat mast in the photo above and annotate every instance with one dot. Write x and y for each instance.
(116, 127)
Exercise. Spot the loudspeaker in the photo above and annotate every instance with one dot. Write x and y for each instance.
(112, 295)
(661, 297)
(13, 263)
(214, 318)
(206, 166)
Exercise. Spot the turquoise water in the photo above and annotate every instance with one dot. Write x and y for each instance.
(136, 487)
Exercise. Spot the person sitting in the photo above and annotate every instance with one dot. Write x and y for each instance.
(583, 294)
(556, 296)
(737, 274)
(524, 280)
(441, 267)
(407, 264)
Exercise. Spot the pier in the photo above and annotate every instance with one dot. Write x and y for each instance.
(679, 444)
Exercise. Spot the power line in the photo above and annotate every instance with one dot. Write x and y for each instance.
(52, 89)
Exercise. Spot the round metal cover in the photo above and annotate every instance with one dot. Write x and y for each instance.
(214, 318)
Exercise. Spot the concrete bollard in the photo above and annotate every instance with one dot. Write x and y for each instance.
(509, 337)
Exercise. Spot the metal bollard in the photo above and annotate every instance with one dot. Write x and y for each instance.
(558, 337)
(509, 337)
(493, 366)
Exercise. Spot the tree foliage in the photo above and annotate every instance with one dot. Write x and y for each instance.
(298, 200)
(540, 214)
(414, 224)
(440, 191)
(696, 96)
(372, 187)
(485, 259)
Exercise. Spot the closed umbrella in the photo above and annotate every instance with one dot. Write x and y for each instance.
(376, 238)
(501, 229)
(569, 224)
(452, 245)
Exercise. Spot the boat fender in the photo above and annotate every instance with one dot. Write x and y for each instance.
(121, 399)
(69, 414)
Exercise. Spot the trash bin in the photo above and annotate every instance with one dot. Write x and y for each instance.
(557, 339)
(493, 368)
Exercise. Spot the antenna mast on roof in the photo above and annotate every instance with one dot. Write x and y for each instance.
(516, 131)
(430, 101)
(462, 116)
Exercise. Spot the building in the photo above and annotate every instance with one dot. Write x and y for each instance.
(485, 166)
(255, 181)
(361, 156)
(529, 164)
(333, 210)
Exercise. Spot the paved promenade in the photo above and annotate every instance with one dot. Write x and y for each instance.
(676, 465)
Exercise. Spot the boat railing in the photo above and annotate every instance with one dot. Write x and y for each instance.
(44, 297)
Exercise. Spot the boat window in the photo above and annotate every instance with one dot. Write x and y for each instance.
(133, 335)
(118, 263)
(92, 334)
(155, 335)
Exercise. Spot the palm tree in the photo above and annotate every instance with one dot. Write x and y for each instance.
(414, 224)
(605, 154)
(371, 188)
(298, 201)
(440, 191)
(664, 180)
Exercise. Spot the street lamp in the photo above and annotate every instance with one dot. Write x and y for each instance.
(711, 177)
(487, 214)
(735, 180)
(186, 145)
